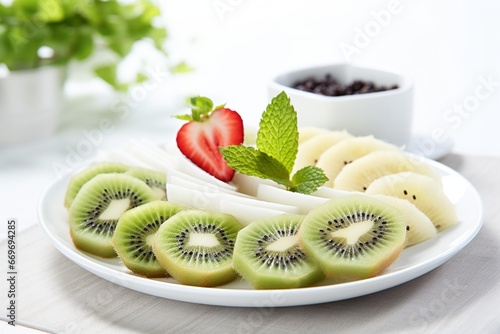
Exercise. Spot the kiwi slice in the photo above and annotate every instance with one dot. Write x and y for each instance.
(94, 213)
(155, 180)
(424, 192)
(268, 256)
(196, 247)
(78, 180)
(134, 235)
(353, 237)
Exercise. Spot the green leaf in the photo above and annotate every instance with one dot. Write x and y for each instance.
(108, 73)
(308, 179)
(277, 146)
(86, 9)
(158, 35)
(220, 106)
(72, 27)
(249, 161)
(50, 11)
(185, 117)
(200, 106)
(85, 46)
(181, 67)
(141, 77)
(278, 134)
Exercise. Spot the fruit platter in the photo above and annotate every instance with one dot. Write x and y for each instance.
(287, 216)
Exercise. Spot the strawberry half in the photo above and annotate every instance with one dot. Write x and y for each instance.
(207, 129)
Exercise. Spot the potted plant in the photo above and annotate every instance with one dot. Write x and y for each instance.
(39, 38)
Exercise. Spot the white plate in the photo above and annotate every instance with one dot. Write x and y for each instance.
(413, 262)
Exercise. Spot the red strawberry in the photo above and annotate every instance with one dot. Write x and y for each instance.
(207, 129)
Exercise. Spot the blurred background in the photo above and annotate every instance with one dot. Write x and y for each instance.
(451, 49)
(446, 46)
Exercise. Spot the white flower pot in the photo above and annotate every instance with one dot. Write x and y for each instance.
(30, 103)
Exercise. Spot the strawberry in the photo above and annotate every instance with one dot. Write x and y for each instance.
(207, 129)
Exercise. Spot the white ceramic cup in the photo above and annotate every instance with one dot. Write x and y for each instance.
(30, 103)
(386, 115)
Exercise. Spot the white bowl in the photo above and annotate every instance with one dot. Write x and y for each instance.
(386, 115)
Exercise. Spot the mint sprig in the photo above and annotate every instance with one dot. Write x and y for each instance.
(278, 135)
(277, 147)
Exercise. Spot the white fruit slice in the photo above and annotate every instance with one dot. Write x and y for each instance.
(193, 198)
(149, 153)
(304, 203)
(308, 132)
(247, 209)
(418, 226)
(176, 178)
(310, 150)
(424, 192)
(249, 184)
(327, 192)
(336, 157)
(186, 166)
(256, 203)
(191, 192)
(247, 213)
(124, 158)
(359, 174)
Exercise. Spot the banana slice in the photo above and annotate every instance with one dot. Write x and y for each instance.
(336, 157)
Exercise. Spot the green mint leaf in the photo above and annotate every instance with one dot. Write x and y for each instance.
(249, 161)
(108, 73)
(278, 135)
(308, 179)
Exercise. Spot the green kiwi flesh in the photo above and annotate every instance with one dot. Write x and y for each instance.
(268, 256)
(155, 180)
(196, 247)
(353, 237)
(134, 235)
(94, 213)
(78, 180)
